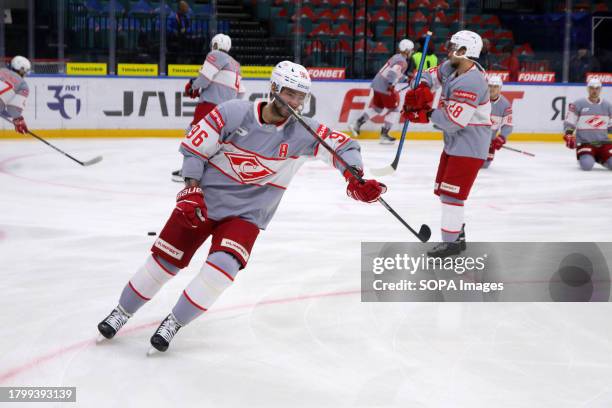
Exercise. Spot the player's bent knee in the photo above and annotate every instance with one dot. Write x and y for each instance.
(586, 162)
(211, 281)
(149, 279)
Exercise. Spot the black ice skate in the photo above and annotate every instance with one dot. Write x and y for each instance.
(446, 249)
(355, 127)
(461, 238)
(177, 176)
(384, 136)
(113, 322)
(164, 333)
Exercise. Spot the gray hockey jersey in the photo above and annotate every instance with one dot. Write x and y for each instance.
(464, 112)
(390, 74)
(13, 93)
(592, 121)
(219, 79)
(501, 117)
(245, 166)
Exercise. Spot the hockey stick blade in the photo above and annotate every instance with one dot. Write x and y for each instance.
(384, 171)
(95, 160)
(424, 233)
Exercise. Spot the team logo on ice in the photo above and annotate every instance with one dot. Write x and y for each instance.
(67, 104)
(248, 167)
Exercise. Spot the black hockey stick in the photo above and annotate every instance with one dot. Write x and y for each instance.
(424, 233)
(95, 160)
(384, 171)
(518, 151)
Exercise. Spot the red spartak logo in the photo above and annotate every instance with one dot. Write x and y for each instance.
(248, 167)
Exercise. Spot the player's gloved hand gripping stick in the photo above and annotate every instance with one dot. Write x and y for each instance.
(393, 166)
(95, 160)
(424, 233)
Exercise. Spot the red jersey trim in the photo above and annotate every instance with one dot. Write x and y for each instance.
(203, 156)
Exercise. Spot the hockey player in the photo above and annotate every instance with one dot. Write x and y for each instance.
(501, 118)
(15, 92)
(219, 80)
(238, 162)
(591, 119)
(385, 100)
(464, 116)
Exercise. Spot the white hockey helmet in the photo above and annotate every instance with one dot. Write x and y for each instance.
(594, 83)
(290, 75)
(223, 42)
(21, 64)
(495, 80)
(468, 40)
(287, 74)
(406, 45)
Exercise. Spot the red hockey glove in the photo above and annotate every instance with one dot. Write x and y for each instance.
(190, 92)
(570, 140)
(417, 99)
(190, 203)
(20, 125)
(368, 191)
(421, 116)
(498, 142)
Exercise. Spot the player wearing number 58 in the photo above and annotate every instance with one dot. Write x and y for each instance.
(464, 115)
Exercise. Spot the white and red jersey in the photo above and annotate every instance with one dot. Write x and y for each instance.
(14, 92)
(245, 166)
(464, 112)
(219, 79)
(592, 121)
(393, 70)
(501, 117)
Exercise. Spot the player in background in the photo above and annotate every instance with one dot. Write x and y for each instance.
(238, 161)
(501, 118)
(15, 91)
(219, 80)
(591, 120)
(385, 100)
(464, 116)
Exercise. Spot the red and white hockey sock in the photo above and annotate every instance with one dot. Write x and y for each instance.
(146, 283)
(452, 218)
(216, 275)
(391, 118)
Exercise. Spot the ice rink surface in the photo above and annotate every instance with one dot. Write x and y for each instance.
(291, 331)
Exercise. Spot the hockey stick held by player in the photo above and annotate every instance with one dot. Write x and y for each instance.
(384, 171)
(238, 161)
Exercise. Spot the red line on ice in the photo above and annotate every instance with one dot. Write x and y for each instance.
(37, 361)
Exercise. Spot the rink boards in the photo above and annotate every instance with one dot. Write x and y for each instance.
(62, 106)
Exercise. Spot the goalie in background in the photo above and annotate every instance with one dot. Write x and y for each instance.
(587, 125)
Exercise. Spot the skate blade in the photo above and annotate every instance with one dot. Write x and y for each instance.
(100, 339)
(152, 351)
